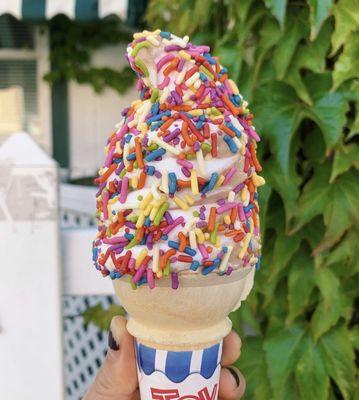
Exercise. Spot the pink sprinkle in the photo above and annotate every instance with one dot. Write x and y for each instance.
(122, 132)
(202, 249)
(184, 163)
(229, 175)
(242, 217)
(106, 196)
(165, 83)
(204, 95)
(175, 282)
(139, 273)
(150, 278)
(124, 189)
(175, 223)
(131, 264)
(164, 60)
(115, 239)
(226, 207)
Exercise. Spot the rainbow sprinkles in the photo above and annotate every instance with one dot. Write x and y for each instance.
(178, 188)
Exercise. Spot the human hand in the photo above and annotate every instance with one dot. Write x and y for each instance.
(117, 378)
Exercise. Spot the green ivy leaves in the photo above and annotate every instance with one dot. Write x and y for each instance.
(297, 64)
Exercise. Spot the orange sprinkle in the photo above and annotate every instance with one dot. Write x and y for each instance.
(221, 227)
(103, 177)
(181, 108)
(167, 124)
(184, 258)
(256, 164)
(211, 219)
(168, 254)
(254, 218)
(227, 130)
(184, 132)
(209, 249)
(140, 233)
(171, 67)
(206, 132)
(238, 237)
(141, 180)
(182, 241)
(233, 214)
(232, 233)
(183, 183)
(139, 156)
(234, 110)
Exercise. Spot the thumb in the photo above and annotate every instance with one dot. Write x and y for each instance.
(117, 378)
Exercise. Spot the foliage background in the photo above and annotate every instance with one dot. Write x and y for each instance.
(297, 64)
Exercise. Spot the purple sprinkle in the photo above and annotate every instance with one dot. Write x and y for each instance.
(130, 224)
(168, 217)
(229, 271)
(158, 174)
(175, 282)
(186, 172)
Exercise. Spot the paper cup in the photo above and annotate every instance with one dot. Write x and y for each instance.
(182, 330)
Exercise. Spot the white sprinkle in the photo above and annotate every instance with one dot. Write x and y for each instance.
(155, 259)
(231, 196)
(225, 259)
(192, 239)
(190, 81)
(201, 164)
(164, 182)
(180, 77)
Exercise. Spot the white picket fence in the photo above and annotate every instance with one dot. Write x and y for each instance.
(47, 279)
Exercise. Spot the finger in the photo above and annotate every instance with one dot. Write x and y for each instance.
(117, 378)
(231, 384)
(231, 349)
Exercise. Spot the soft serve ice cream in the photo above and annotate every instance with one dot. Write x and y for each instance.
(178, 188)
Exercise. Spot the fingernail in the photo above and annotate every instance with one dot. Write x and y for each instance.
(234, 374)
(112, 344)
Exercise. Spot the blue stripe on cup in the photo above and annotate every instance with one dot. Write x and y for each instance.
(178, 365)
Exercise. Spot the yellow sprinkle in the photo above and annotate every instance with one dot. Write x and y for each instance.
(258, 180)
(196, 113)
(224, 262)
(148, 210)
(200, 236)
(153, 40)
(146, 201)
(191, 80)
(207, 236)
(180, 77)
(141, 220)
(118, 147)
(245, 243)
(184, 55)
(159, 273)
(164, 94)
(140, 257)
(206, 72)
(153, 213)
(220, 181)
(244, 193)
(159, 201)
(201, 166)
(155, 259)
(134, 182)
(218, 242)
(181, 203)
(164, 182)
(233, 87)
(227, 219)
(194, 182)
(189, 199)
(192, 239)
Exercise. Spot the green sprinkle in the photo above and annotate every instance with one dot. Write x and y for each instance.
(213, 236)
(133, 218)
(140, 197)
(132, 243)
(138, 47)
(108, 232)
(142, 66)
(215, 111)
(195, 213)
(123, 173)
(154, 95)
(160, 212)
(190, 156)
(166, 271)
(206, 147)
(133, 285)
(153, 146)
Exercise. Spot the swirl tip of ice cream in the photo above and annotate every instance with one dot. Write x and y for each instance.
(178, 188)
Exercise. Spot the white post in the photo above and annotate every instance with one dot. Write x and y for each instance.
(30, 280)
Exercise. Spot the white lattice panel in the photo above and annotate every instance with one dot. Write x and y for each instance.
(84, 348)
